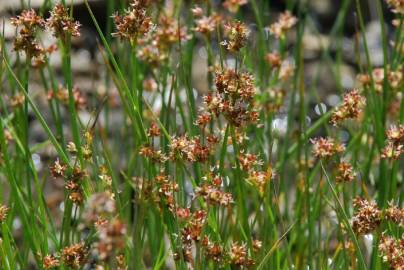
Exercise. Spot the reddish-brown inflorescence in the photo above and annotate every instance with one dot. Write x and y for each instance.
(392, 251)
(367, 217)
(29, 23)
(236, 33)
(234, 5)
(134, 23)
(350, 108)
(75, 256)
(395, 214)
(285, 22)
(397, 6)
(154, 155)
(188, 149)
(213, 196)
(111, 239)
(154, 130)
(326, 147)
(50, 261)
(100, 206)
(233, 98)
(57, 169)
(239, 255)
(395, 143)
(345, 173)
(206, 25)
(61, 24)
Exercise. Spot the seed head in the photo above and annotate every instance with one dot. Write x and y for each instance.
(397, 6)
(395, 214)
(236, 33)
(326, 147)
(392, 251)
(50, 261)
(3, 213)
(234, 5)
(345, 173)
(285, 22)
(367, 217)
(29, 23)
(75, 255)
(206, 25)
(350, 108)
(61, 24)
(133, 23)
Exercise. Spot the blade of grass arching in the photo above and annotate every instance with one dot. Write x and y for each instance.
(273, 248)
(345, 219)
(39, 116)
(133, 104)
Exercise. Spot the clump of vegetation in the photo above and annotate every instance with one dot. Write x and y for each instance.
(151, 173)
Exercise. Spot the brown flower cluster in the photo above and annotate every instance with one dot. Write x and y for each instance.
(234, 5)
(206, 25)
(350, 108)
(213, 251)
(100, 206)
(168, 32)
(133, 23)
(367, 218)
(74, 183)
(395, 214)
(326, 147)
(152, 154)
(111, 239)
(392, 251)
(189, 149)
(192, 232)
(260, 179)
(345, 173)
(212, 195)
(62, 95)
(29, 23)
(233, 98)
(236, 33)
(238, 255)
(395, 143)
(73, 180)
(61, 24)
(394, 78)
(75, 255)
(166, 189)
(285, 22)
(397, 6)
(156, 45)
